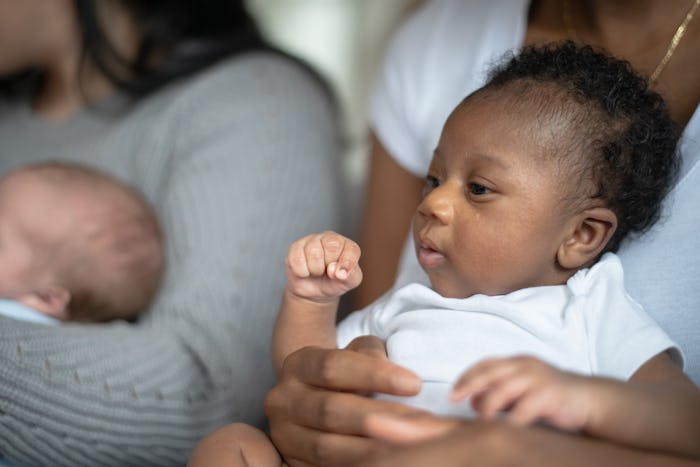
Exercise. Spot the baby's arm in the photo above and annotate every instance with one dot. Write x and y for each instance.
(320, 268)
(658, 408)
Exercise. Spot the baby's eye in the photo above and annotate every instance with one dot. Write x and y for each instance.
(431, 183)
(476, 189)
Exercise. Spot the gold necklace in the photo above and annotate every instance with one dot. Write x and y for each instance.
(675, 40)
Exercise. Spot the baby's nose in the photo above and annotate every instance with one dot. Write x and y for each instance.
(439, 204)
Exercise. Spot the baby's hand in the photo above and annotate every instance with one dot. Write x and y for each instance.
(529, 390)
(323, 266)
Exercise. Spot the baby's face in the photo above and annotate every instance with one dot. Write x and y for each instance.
(19, 260)
(491, 219)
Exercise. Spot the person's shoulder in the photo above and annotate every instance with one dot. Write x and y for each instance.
(460, 25)
(465, 13)
(443, 50)
(256, 86)
(252, 75)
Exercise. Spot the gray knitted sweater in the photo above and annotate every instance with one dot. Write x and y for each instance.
(238, 161)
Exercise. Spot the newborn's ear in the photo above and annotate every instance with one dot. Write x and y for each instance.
(590, 232)
(52, 301)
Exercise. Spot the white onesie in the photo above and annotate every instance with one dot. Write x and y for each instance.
(590, 325)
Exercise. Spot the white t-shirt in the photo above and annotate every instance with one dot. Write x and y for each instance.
(440, 55)
(590, 326)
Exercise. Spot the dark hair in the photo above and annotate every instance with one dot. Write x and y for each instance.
(179, 37)
(621, 130)
(184, 35)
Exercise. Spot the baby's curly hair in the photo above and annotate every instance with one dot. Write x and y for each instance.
(620, 129)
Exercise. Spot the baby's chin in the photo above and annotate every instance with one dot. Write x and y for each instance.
(449, 289)
(454, 288)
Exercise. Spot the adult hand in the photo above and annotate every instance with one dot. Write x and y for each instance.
(418, 440)
(318, 409)
(424, 439)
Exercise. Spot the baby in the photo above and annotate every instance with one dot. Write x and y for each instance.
(537, 178)
(75, 244)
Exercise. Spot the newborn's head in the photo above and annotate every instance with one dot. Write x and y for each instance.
(599, 118)
(84, 234)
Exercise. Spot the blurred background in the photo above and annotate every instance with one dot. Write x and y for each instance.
(345, 41)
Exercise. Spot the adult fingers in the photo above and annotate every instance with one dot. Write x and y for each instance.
(408, 428)
(369, 345)
(316, 397)
(305, 446)
(328, 411)
(349, 370)
(455, 448)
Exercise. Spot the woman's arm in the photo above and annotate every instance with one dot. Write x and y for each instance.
(312, 421)
(429, 440)
(249, 169)
(391, 197)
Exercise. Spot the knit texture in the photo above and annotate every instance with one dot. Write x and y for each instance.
(238, 161)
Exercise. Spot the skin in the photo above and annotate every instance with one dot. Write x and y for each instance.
(612, 25)
(598, 407)
(528, 391)
(340, 439)
(332, 402)
(26, 208)
(492, 219)
(22, 46)
(387, 214)
(218, 450)
(427, 440)
(49, 227)
(41, 35)
(307, 388)
(38, 236)
(362, 431)
(45, 36)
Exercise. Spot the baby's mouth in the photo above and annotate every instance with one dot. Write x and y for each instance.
(428, 254)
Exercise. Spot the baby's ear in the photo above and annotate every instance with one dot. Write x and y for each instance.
(52, 301)
(591, 230)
